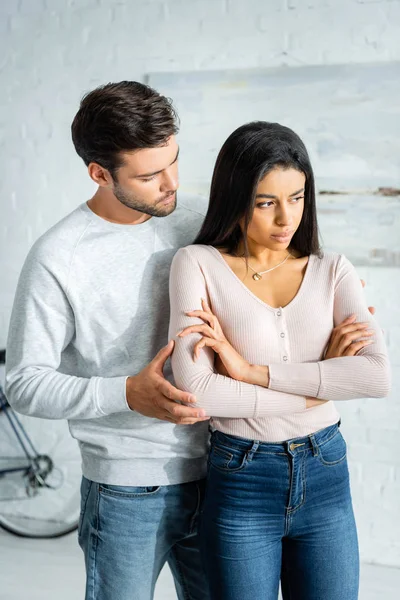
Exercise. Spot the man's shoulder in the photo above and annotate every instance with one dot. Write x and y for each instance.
(196, 205)
(61, 239)
(185, 222)
(191, 209)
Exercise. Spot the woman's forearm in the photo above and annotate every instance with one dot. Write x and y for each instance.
(344, 378)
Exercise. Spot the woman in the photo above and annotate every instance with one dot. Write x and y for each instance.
(278, 501)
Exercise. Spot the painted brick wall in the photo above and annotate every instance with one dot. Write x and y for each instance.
(52, 51)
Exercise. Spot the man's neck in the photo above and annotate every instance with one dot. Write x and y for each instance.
(105, 205)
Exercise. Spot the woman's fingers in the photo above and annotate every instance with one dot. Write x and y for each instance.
(357, 346)
(201, 314)
(211, 343)
(344, 329)
(350, 319)
(350, 338)
(204, 329)
(205, 305)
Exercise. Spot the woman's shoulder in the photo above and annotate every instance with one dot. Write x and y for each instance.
(334, 264)
(200, 254)
(196, 250)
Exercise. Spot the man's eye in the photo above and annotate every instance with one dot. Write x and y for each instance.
(148, 179)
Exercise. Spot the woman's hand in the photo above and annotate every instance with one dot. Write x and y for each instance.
(228, 362)
(370, 308)
(343, 341)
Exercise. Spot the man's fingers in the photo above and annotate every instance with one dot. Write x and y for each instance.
(163, 354)
(172, 393)
(184, 421)
(181, 411)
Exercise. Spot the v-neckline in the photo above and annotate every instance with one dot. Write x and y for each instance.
(248, 290)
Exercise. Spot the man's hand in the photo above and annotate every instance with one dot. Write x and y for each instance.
(151, 395)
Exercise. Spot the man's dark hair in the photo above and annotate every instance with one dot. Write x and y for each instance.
(248, 155)
(121, 117)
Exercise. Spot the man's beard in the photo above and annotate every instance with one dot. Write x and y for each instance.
(157, 210)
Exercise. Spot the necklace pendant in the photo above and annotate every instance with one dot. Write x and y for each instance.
(257, 277)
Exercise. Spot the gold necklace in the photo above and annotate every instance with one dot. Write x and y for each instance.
(258, 274)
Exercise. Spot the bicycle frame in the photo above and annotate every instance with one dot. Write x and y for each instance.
(20, 434)
(33, 472)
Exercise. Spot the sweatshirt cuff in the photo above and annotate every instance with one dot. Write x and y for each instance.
(111, 395)
(303, 379)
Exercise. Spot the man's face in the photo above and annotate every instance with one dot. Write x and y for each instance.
(148, 180)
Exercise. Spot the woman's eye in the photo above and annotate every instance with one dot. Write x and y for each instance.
(264, 204)
(298, 198)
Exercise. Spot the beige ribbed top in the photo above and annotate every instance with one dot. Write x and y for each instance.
(291, 340)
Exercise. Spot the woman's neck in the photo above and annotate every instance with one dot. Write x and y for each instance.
(263, 256)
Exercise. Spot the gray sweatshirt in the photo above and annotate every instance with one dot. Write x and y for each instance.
(92, 308)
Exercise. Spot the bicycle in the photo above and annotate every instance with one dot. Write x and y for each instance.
(39, 491)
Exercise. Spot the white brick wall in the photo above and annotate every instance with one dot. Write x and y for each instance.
(51, 51)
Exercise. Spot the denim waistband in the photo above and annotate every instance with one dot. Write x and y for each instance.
(293, 446)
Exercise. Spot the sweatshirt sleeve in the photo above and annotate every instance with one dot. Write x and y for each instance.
(220, 396)
(349, 377)
(41, 328)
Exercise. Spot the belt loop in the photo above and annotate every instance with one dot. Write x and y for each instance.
(250, 453)
(314, 445)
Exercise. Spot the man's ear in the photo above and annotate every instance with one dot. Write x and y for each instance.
(100, 175)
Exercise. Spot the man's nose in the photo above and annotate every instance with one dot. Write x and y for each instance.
(170, 181)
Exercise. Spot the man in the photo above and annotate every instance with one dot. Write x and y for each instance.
(86, 343)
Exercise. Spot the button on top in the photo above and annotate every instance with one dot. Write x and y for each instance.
(279, 313)
(282, 334)
(285, 358)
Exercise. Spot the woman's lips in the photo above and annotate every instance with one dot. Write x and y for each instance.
(282, 237)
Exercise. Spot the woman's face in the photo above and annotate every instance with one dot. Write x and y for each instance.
(278, 209)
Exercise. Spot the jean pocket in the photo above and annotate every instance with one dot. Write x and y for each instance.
(225, 459)
(334, 451)
(128, 491)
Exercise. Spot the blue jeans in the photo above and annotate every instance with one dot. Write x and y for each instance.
(128, 533)
(279, 511)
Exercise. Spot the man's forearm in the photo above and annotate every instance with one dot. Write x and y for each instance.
(48, 394)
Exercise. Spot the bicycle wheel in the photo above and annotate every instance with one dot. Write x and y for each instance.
(40, 511)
